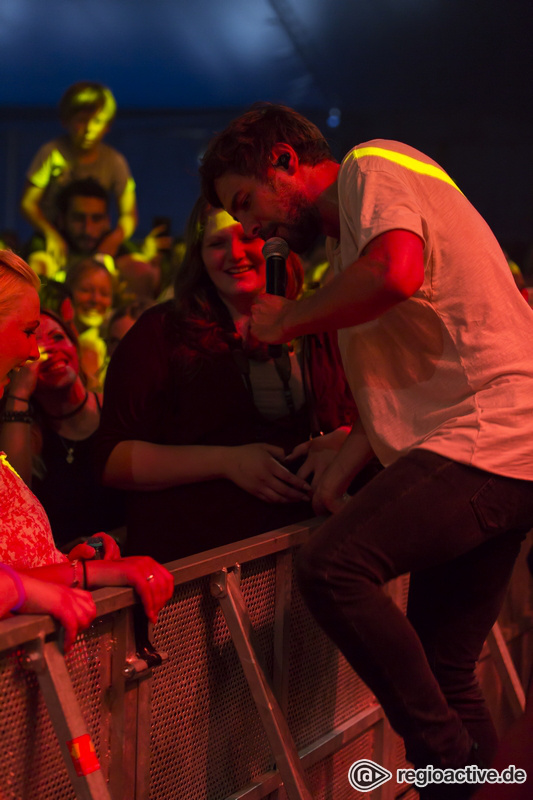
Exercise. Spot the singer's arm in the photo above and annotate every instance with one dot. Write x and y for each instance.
(390, 270)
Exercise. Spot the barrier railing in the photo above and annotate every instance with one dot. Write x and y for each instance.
(244, 697)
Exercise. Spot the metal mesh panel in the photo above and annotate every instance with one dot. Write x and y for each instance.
(207, 740)
(206, 736)
(328, 778)
(31, 764)
(401, 761)
(89, 665)
(258, 589)
(31, 767)
(324, 691)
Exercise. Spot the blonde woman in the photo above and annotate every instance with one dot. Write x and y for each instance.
(26, 542)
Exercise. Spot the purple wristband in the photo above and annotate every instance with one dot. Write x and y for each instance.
(15, 577)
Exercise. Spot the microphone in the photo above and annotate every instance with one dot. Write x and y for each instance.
(275, 252)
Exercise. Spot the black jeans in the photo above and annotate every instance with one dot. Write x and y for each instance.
(457, 530)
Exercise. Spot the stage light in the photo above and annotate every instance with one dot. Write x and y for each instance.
(334, 118)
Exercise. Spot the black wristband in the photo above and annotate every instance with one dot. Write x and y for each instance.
(84, 565)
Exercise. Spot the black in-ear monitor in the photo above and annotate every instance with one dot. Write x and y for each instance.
(283, 161)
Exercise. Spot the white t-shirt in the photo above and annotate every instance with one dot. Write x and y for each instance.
(451, 368)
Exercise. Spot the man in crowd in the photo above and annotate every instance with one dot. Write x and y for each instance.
(435, 343)
(84, 222)
(83, 217)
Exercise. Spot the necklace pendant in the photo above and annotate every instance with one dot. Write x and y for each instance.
(70, 455)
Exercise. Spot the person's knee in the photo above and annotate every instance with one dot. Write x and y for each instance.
(321, 568)
(340, 563)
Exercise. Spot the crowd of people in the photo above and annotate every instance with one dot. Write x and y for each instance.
(199, 422)
(141, 392)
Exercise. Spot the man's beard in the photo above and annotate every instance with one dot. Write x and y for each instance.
(82, 245)
(303, 225)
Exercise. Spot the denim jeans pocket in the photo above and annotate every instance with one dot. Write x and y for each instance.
(504, 504)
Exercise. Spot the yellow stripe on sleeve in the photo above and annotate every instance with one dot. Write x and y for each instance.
(405, 161)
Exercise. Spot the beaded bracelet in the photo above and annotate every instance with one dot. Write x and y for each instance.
(16, 416)
(76, 581)
(15, 577)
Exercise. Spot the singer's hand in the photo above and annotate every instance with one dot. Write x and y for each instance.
(320, 452)
(268, 319)
(330, 491)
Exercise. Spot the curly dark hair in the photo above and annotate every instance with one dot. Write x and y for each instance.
(245, 146)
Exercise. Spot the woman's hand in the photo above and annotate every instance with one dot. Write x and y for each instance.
(23, 381)
(73, 608)
(330, 492)
(153, 583)
(315, 464)
(256, 468)
(87, 551)
(320, 453)
(111, 548)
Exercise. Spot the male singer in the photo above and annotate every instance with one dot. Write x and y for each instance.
(436, 343)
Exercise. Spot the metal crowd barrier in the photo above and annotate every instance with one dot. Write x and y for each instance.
(242, 696)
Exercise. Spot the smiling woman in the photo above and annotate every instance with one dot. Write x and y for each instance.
(54, 453)
(233, 261)
(198, 419)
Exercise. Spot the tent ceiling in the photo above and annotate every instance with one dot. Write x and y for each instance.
(352, 54)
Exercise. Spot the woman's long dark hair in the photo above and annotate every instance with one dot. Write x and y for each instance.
(200, 312)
